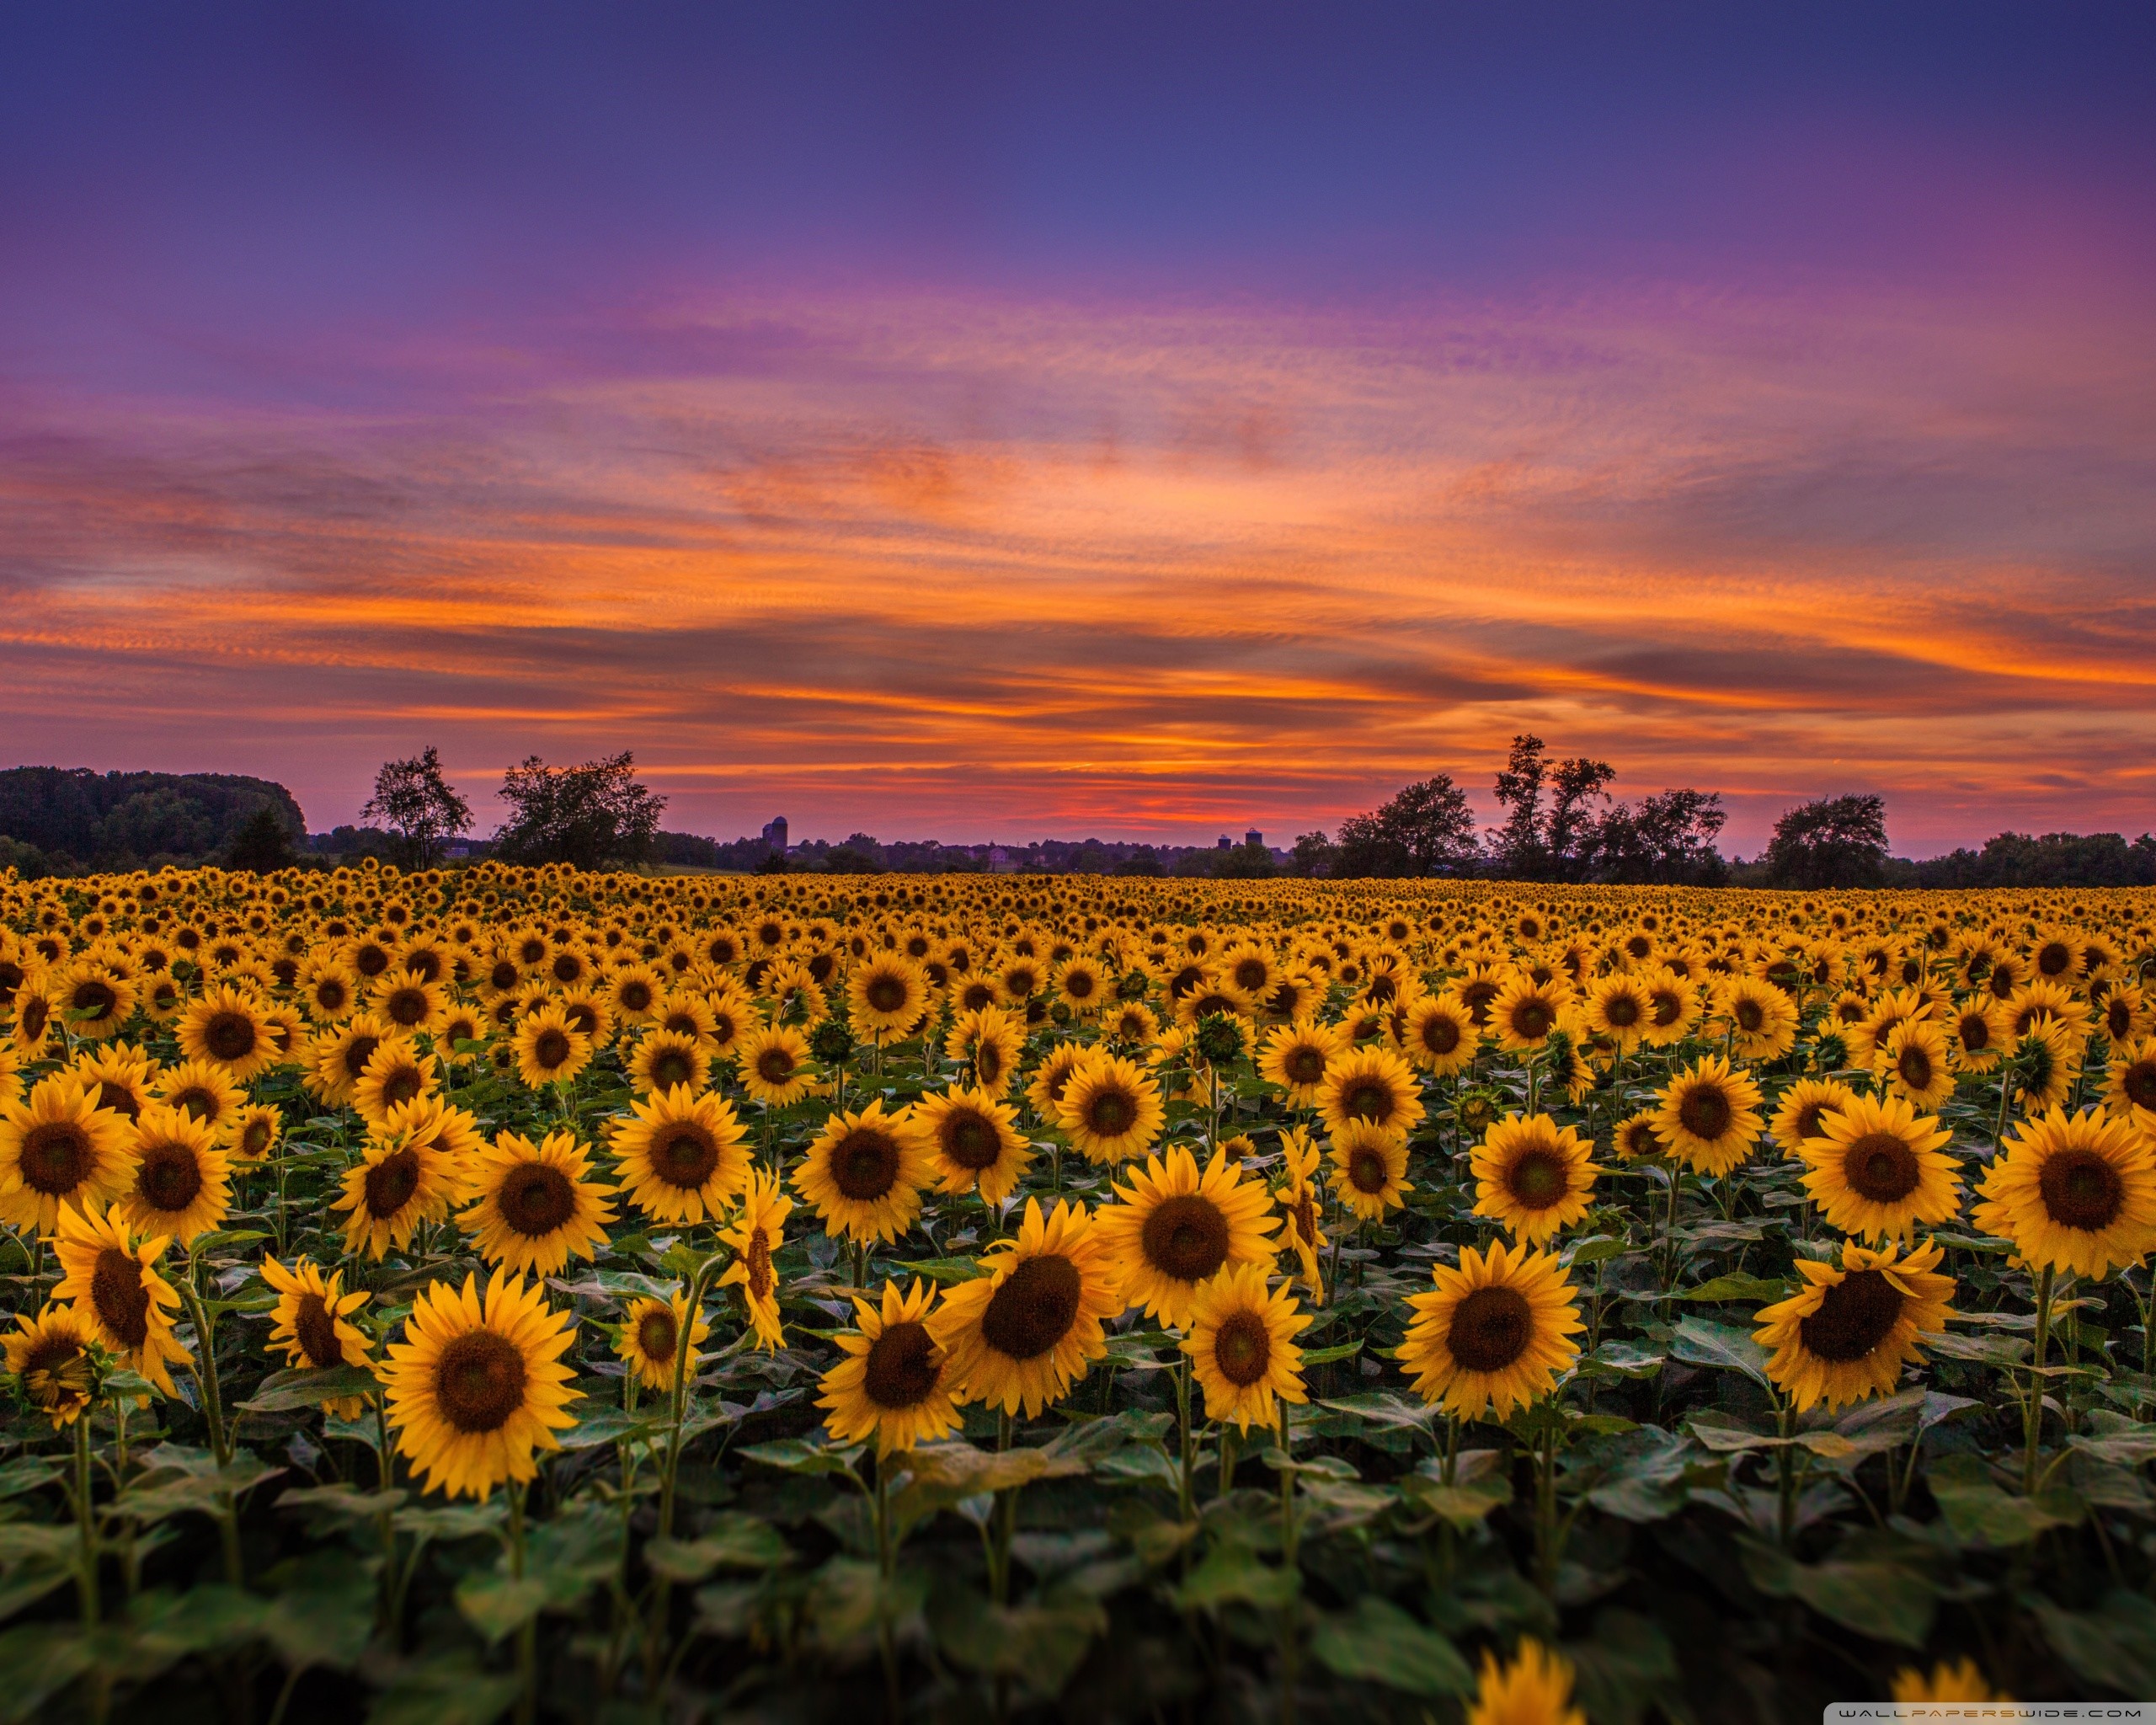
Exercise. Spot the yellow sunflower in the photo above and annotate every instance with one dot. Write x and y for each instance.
(183, 1184)
(1526, 1010)
(94, 1001)
(1533, 1178)
(1493, 1333)
(1761, 1017)
(775, 1067)
(666, 1060)
(1846, 1335)
(49, 1359)
(124, 1076)
(976, 1143)
(1438, 1036)
(888, 995)
(1978, 1035)
(1111, 1110)
(340, 1057)
(1243, 1348)
(1708, 1116)
(309, 1322)
(203, 1089)
(1373, 1085)
(1634, 1139)
(404, 1176)
(1672, 1006)
(1878, 1169)
(111, 1279)
(1295, 1057)
(1535, 1688)
(988, 1040)
(397, 1072)
(1914, 1061)
(649, 1341)
(550, 1049)
(2074, 1191)
(2049, 1054)
(680, 1155)
(478, 1384)
(755, 1233)
(864, 1173)
(328, 990)
(1082, 985)
(255, 1132)
(412, 1004)
(1369, 1167)
(532, 1207)
(1958, 1681)
(1176, 1228)
(1800, 1109)
(1052, 1077)
(1298, 1200)
(894, 1385)
(60, 1150)
(1022, 1335)
(1618, 1008)
(2130, 1086)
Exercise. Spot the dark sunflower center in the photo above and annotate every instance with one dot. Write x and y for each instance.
(1750, 1015)
(358, 1052)
(636, 994)
(406, 1006)
(119, 1099)
(970, 1139)
(1538, 1179)
(886, 993)
(1705, 1112)
(229, 1036)
(683, 1155)
(1806, 1122)
(1367, 1100)
(1667, 1006)
(1530, 1020)
(254, 1136)
(1476, 996)
(55, 1373)
(1440, 1033)
(402, 1085)
(1304, 1064)
(904, 1367)
(1367, 1171)
(536, 1198)
(1855, 1316)
(1111, 1113)
(2139, 1081)
(1078, 985)
(658, 1336)
(316, 1331)
(123, 1303)
(1491, 1329)
(774, 1065)
(2081, 1190)
(1976, 1034)
(550, 1049)
(1880, 1167)
(1251, 973)
(1242, 1348)
(1185, 1237)
(672, 1066)
(168, 1176)
(503, 975)
(865, 1164)
(2055, 958)
(479, 1382)
(1914, 1067)
(94, 998)
(391, 1181)
(567, 968)
(1034, 1309)
(371, 960)
(56, 1157)
(761, 1279)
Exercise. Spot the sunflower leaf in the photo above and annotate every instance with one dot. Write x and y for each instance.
(1700, 1343)
(283, 1391)
(1378, 1642)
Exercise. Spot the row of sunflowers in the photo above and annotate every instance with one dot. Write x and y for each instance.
(506, 1291)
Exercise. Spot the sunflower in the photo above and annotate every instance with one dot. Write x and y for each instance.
(1845, 1336)
(1132, 1024)
(329, 991)
(2125, 1014)
(680, 1155)
(864, 1173)
(635, 993)
(988, 1040)
(37, 1019)
(1761, 1018)
(1799, 1110)
(49, 1357)
(1052, 1077)
(1618, 1008)
(1175, 1227)
(203, 1089)
(1672, 1006)
(1494, 1332)
(1082, 985)
(1295, 1057)
(894, 1385)
(1526, 1010)
(94, 1001)
(1708, 1116)
(255, 1132)
(112, 1280)
(341, 1056)
(412, 1004)
(2130, 1086)
(1878, 1168)
(2048, 1059)
(397, 1072)
(666, 1059)
(2074, 1191)
(1913, 1060)
(532, 1207)
(478, 1384)
(2046, 999)
(1959, 1682)
(1022, 1335)
(755, 1234)
(648, 1342)
(976, 1143)
(1535, 1689)
(1436, 1035)
(550, 1049)
(60, 1150)
(1298, 1198)
(775, 1067)
(1241, 1346)
(1977, 1034)
(309, 1323)
(183, 1184)
(123, 1073)
(1370, 1168)
(1111, 1110)
(888, 995)
(404, 1175)
(1371, 1084)
(1532, 1177)
(1634, 1138)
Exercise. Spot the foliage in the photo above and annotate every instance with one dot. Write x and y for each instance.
(583, 816)
(419, 807)
(1836, 842)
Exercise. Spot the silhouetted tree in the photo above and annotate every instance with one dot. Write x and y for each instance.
(419, 807)
(1668, 841)
(1835, 841)
(262, 845)
(1425, 828)
(586, 816)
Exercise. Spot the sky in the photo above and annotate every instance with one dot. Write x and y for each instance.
(994, 423)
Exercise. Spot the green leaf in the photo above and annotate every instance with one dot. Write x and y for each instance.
(1625, 1360)
(1643, 1477)
(497, 1605)
(946, 1474)
(1463, 1504)
(1326, 1356)
(1386, 1408)
(1980, 1511)
(850, 1598)
(1626, 1669)
(1596, 1248)
(205, 1619)
(944, 1272)
(1737, 1285)
(443, 1692)
(26, 1473)
(41, 1659)
(1981, 1350)
(802, 1456)
(1041, 1645)
(1700, 1343)
(2113, 1647)
(322, 1614)
(1884, 1601)
(24, 1587)
(283, 1391)
(733, 1542)
(1378, 1642)
(1232, 1576)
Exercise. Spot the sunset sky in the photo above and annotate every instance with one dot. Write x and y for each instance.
(1019, 422)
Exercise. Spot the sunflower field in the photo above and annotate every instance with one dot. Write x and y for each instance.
(520, 1293)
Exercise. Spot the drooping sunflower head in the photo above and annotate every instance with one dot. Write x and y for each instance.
(1493, 1333)
(59, 1150)
(680, 1154)
(2074, 1191)
(864, 1172)
(894, 1385)
(1846, 1334)
(1176, 1227)
(1534, 1177)
(1111, 1110)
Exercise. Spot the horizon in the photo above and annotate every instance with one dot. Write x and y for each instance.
(1127, 424)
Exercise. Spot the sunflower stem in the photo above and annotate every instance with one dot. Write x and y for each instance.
(204, 1366)
(1290, 1566)
(527, 1634)
(2033, 1422)
(1183, 1494)
(886, 1562)
(1229, 1445)
(86, 1562)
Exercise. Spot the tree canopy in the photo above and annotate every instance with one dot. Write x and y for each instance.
(588, 816)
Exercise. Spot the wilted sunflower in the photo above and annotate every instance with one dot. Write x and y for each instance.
(532, 1207)
(397, 1072)
(1021, 1336)
(1243, 1348)
(550, 1049)
(203, 1090)
(1535, 1688)
(59, 1150)
(404, 1175)
(775, 1067)
(1295, 1057)
(666, 1059)
(50, 1358)
(976, 1143)
(2130, 1086)
(1878, 1168)
(988, 1040)
(1371, 1084)
(1438, 1036)
(1846, 1335)
(1369, 1167)
(755, 1234)
(111, 1279)
(183, 1184)
(1799, 1110)
(478, 1384)
(1298, 1198)
(1914, 1061)
(1708, 1116)
(893, 1384)
(888, 995)
(1493, 1333)
(309, 1323)
(649, 1341)
(1175, 1227)
(1525, 1012)
(864, 1173)
(680, 1155)
(1111, 1110)
(2074, 1191)
(1533, 1178)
